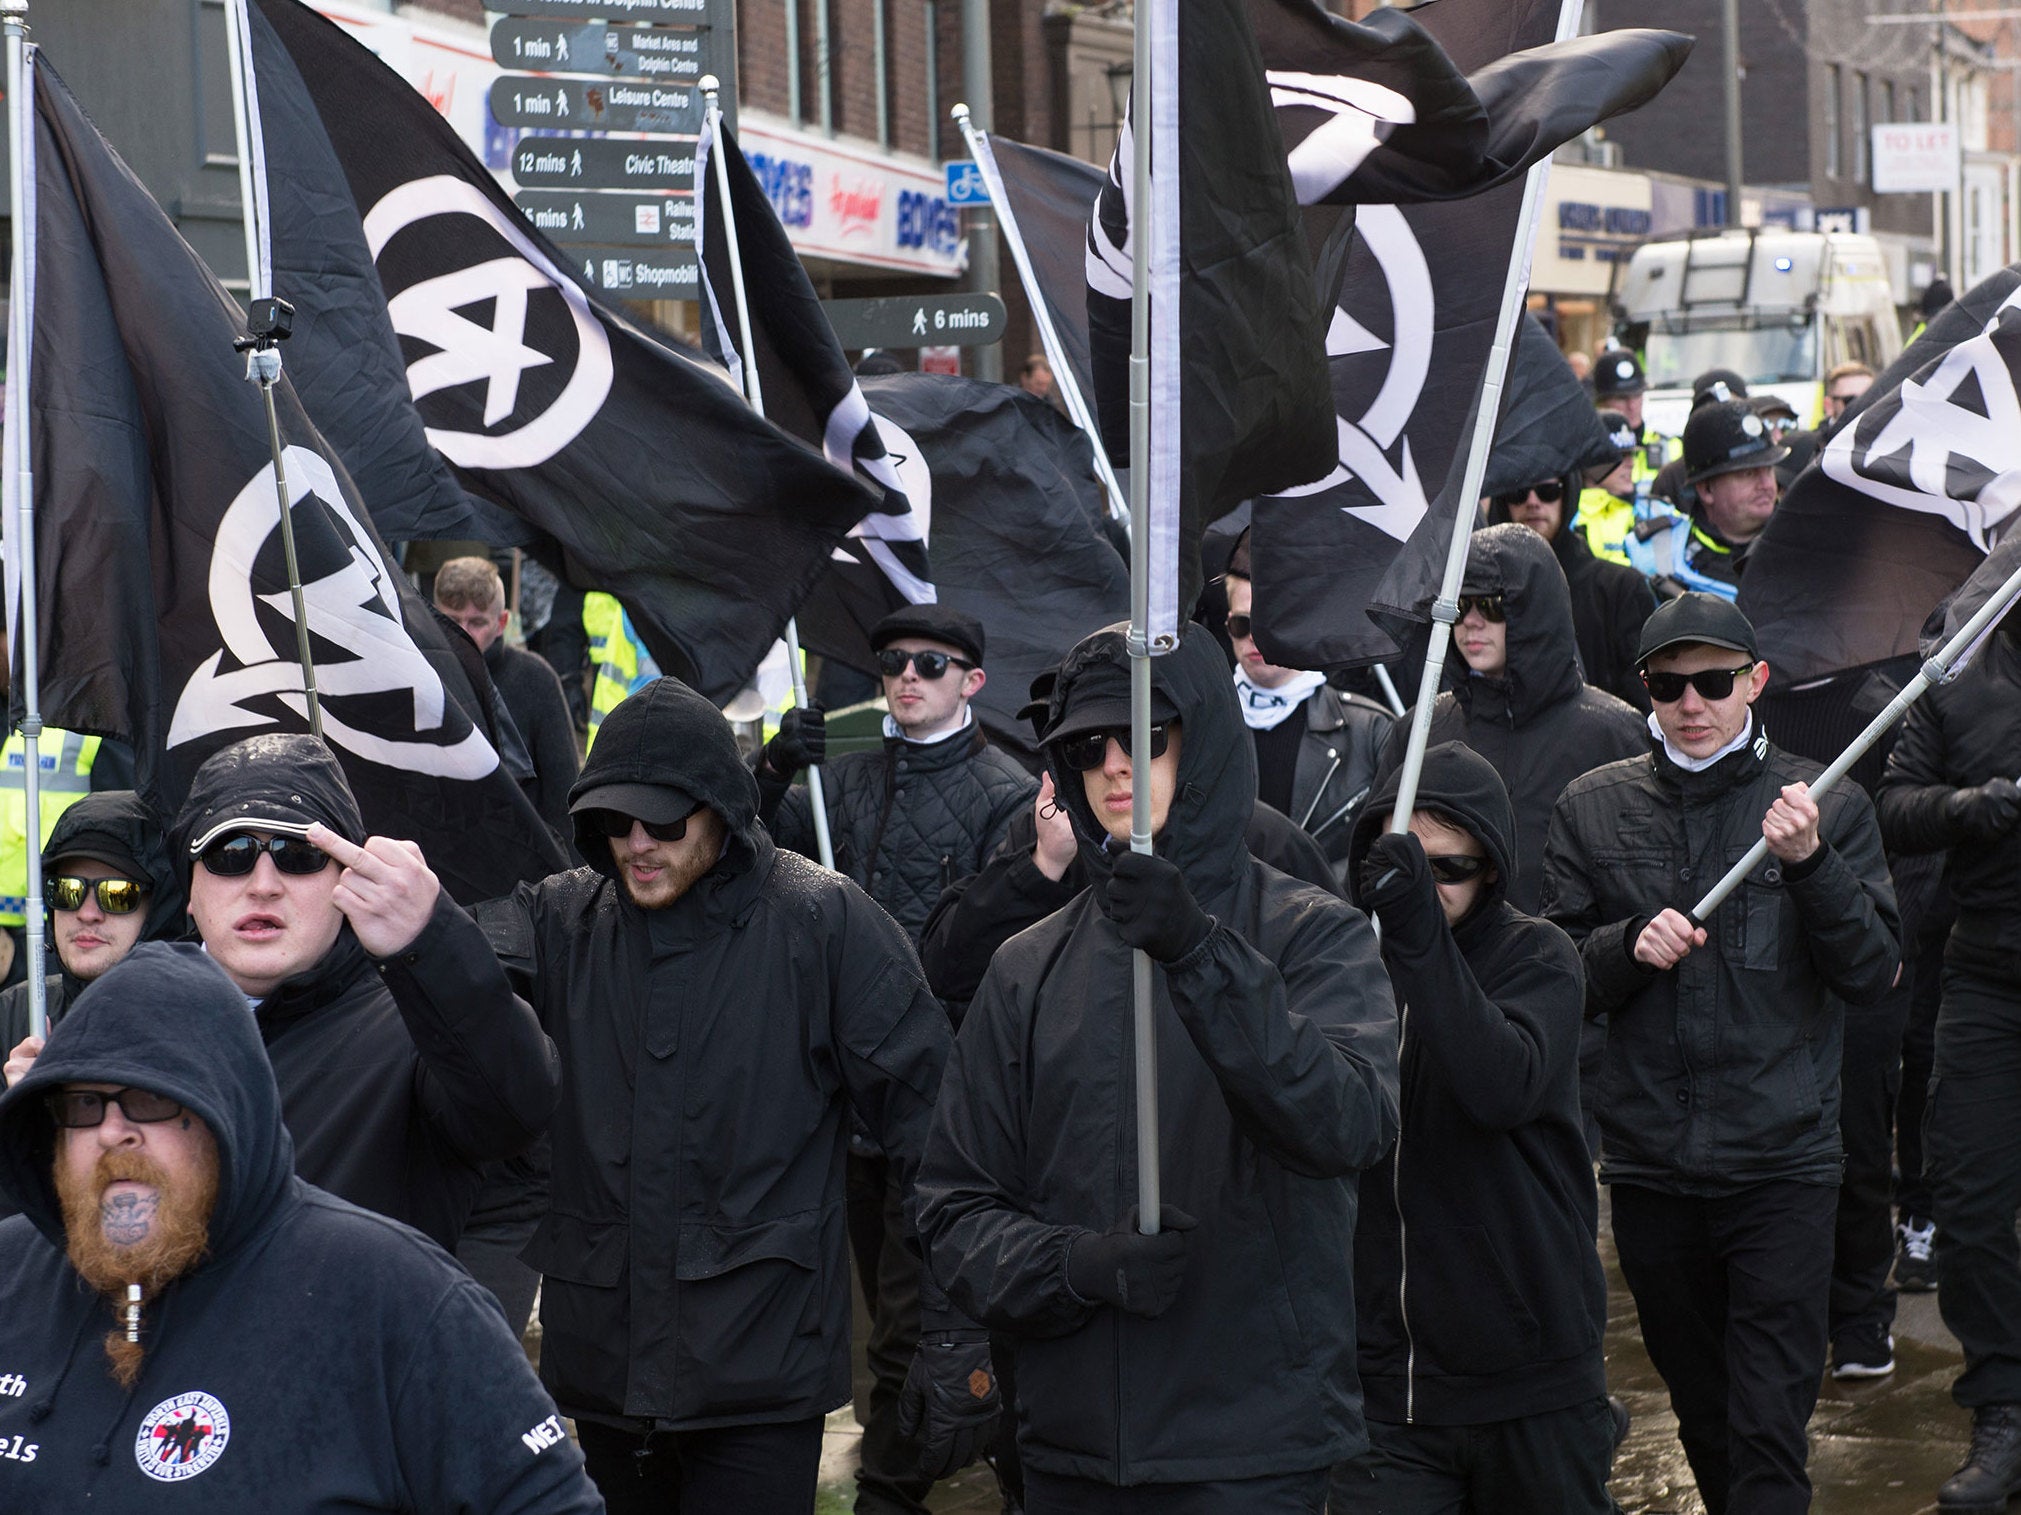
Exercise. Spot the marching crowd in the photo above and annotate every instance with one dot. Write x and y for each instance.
(306, 1137)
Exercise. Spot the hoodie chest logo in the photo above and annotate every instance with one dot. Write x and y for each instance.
(180, 1437)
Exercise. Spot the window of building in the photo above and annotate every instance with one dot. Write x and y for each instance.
(1888, 101)
(1862, 114)
(1831, 121)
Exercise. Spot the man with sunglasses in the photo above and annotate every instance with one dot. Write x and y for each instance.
(1719, 1098)
(906, 820)
(722, 1005)
(190, 1326)
(1209, 1366)
(1478, 1289)
(108, 884)
(405, 1060)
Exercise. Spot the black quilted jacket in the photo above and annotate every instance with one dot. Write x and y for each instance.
(909, 820)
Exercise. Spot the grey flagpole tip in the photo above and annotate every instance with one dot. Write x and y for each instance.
(959, 110)
(709, 84)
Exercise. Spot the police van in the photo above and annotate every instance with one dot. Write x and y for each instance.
(1780, 308)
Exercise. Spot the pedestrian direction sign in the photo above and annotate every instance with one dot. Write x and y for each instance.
(679, 53)
(611, 220)
(596, 105)
(633, 274)
(965, 184)
(604, 163)
(690, 11)
(917, 321)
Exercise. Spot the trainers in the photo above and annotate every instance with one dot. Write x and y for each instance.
(1915, 1263)
(1992, 1468)
(1863, 1353)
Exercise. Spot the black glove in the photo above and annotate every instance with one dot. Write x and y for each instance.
(949, 1402)
(1396, 884)
(801, 742)
(1152, 907)
(1125, 1268)
(1987, 812)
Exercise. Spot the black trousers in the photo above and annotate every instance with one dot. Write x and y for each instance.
(1924, 975)
(1554, 1463)
(729, 1470)
(1864, 1234)
(1973, 1159)
(1288, 1494)
(1731, 1293)
(888, 1481)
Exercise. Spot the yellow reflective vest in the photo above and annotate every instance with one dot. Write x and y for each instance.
(65, 775)
(613, 653)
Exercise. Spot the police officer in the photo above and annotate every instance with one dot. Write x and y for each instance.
(1607, 504)
(1729, 460)
(1619, 384)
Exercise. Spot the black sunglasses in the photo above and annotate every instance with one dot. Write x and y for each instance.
(1240, 625)
(931, 665)
(1489, 605)
(1090, 748)
(116, 896)
(1551, 491)
(1712, 684)
(615, 823)
(81, 1109)
(237, 855)
(1456, 869)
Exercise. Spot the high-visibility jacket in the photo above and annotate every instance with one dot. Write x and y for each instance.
(620, 659)
(65, 778)
(1668, 547)
(1608, 522)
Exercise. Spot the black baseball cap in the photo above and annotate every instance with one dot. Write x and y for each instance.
(655, 804)
(936, 623)
(1100, 701)
(1710, 619)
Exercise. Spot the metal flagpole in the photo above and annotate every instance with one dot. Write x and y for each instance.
(269, 320)
(20, 488)
(1141, 89)
(1049, 337)
(1446, 609)
(1933, 671)
(754, 393)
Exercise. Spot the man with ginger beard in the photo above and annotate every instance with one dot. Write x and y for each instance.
(146, 1149)
(720, 1005)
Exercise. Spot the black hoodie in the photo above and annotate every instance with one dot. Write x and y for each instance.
(1478, 1286)
(120, 817)
(400, 1078)
(1276, 1086)
(319, 1358)
(1537, 722)
(694, 1265)
(1610, 601)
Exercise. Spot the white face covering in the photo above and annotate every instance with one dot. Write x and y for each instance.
(1699, 765)
(1267, 709)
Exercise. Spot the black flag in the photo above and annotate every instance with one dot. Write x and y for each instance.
(808, 389)
(1549, 427)
(1903, 500)
(1017, 515)
(1347, 566)
(1051, 197)
(162, 596)
(641, 470)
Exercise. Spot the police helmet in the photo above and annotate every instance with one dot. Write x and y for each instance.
(1717, 384)
(1617, 372)
(1726, 436)
(1619, 432)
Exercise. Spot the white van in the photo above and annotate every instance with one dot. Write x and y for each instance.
(1780, 308)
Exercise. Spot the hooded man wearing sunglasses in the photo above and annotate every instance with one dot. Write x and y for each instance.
(404, 1059)
(1209, 1367)
(1719, 1092)
(722, 1006)
(906, 820)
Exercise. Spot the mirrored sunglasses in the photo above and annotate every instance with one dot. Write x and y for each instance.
(80, 1109)
(237, 855)
(615, 824)
(1090, 748)
(116, 896)
(891, 662)
(1711, 684)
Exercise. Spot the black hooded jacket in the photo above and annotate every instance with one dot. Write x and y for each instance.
(1477, 1283)
(694, 1264)
(400, 1078)
(319, 1359)
(1276, 1086)
(1722, 1071)
(1538, 722)
(1610, 601)
(118, 816)
(978, 914)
